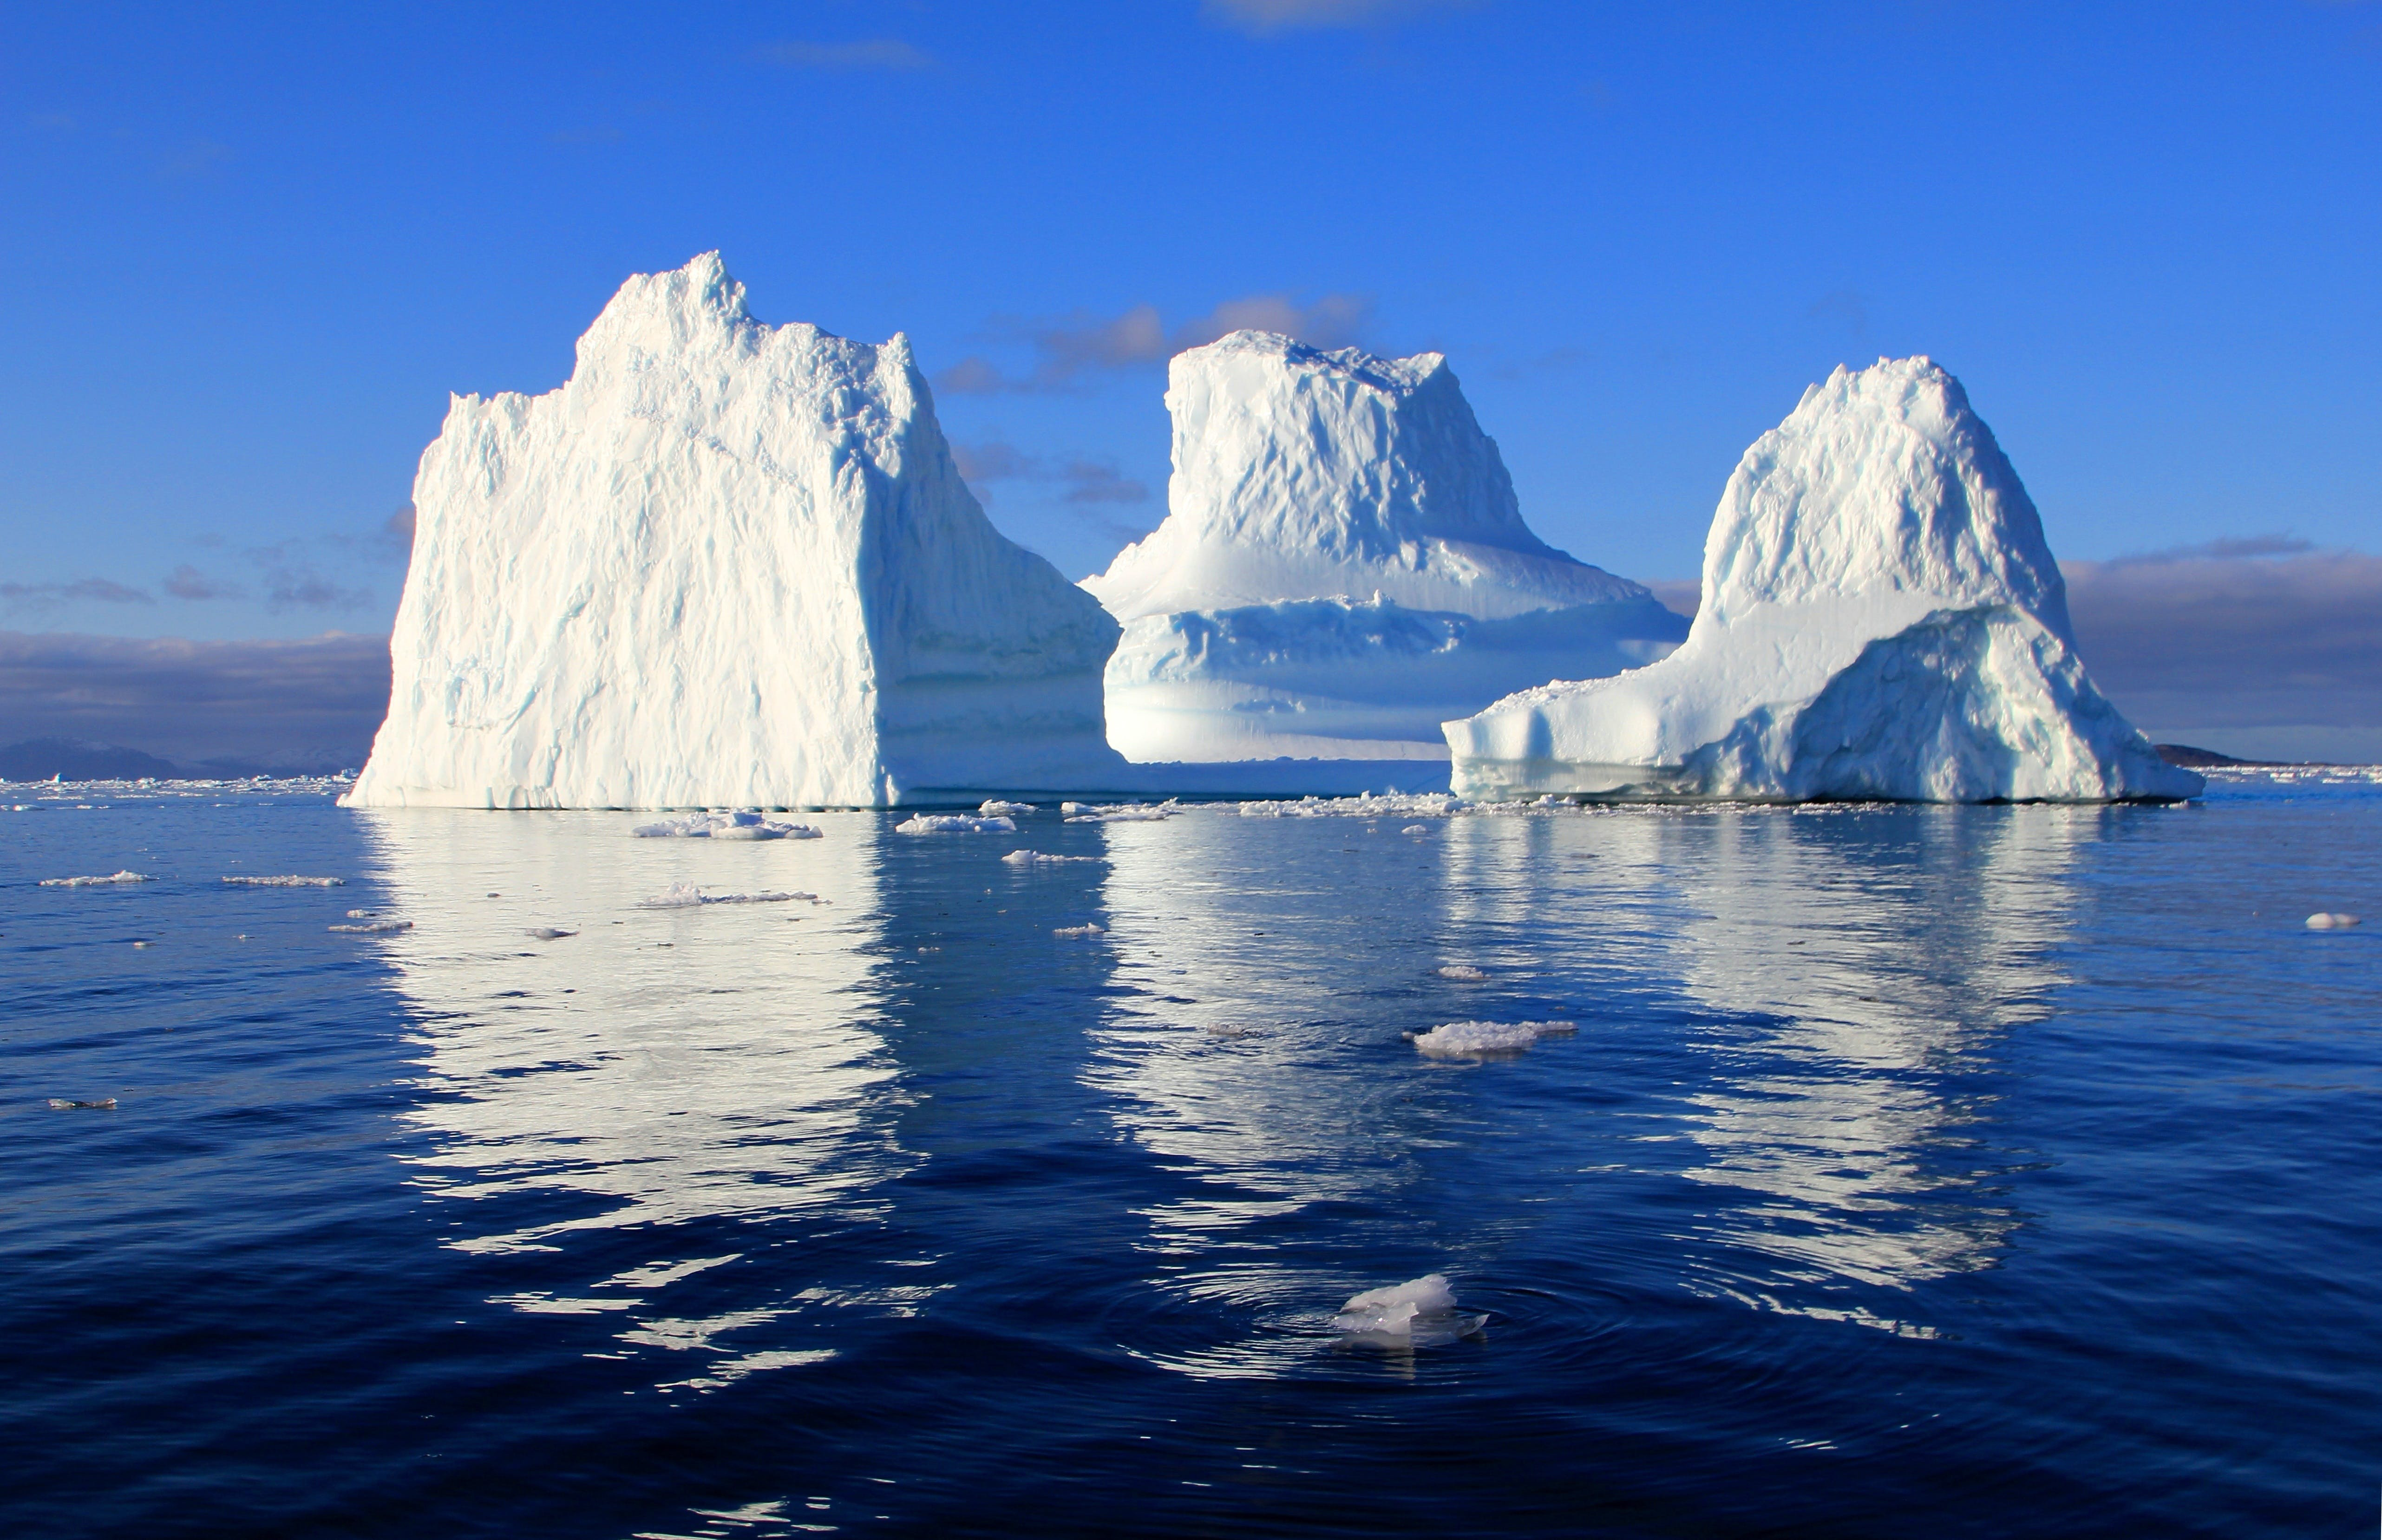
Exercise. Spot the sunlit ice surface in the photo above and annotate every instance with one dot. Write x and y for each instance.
(1971, 1171)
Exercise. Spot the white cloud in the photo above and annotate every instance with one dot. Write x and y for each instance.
(1262, 16)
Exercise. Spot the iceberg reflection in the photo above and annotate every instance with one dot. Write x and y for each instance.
(689, 1070)
(1869, 962)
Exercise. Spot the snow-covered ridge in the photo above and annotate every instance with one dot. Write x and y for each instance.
(726, 563)
(1881, 617)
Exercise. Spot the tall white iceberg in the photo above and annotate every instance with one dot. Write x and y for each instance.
(1881, 618)
(1342, 567)
(726, 563)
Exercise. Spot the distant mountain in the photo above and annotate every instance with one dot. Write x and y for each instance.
(37, 759)
(2197, 759)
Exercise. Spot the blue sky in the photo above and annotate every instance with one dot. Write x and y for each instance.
(250, 250)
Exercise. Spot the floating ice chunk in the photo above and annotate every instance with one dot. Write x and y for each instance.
(1458, 1038)
(1420, 1313)
(1393, 804)
(103, 1104)
(1035, 858)
(1464, 972)
(2331, 922)
(1416, 829)
(1078, 932)
(954, 823)
(547, 932)
(375, 927)
(96, 882)
(995, 808)
(685, 895)
(724, 825)
(362, 914)
(1121, 813)
(287, 882)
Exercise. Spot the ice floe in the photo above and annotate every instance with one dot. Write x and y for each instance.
(374, 928)
(2331, 922)
(1419, 1313)
(1119, 813)
(548, 932)
(63, 1103)
(1457, 1039)
(1078, 932)
(686, 895)
(1035, 858)
(286, 882)
(954, 823)
(995, 808)
(112, 880)
(1464, 972)
(724, 825)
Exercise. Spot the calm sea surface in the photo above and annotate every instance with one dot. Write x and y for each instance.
(1912, 1171)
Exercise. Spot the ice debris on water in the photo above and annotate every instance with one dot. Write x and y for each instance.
(109, 880)
(1035, 858)
(2331, 922)
(724, 825)
(954, 823)
(1078, 932)
(547, 932)
(1416, 829)
(995, 808)
(103, 1104)
(1464, 972)
(1119, 812)
(375, 927)
(1419, 1313)
(287, 882)
(1460, 1038)
(686, 895)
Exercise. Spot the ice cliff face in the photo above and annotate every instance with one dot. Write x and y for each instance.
(1342, 566)
(726, 563)
(1881, 617)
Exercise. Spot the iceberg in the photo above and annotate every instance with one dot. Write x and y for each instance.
(1342, 567)
(1881, 619)
(724, 564)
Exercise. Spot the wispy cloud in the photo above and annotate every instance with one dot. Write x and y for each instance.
(882, 53)
(187, 581)
(1260, 18)
(1067, 347)
(1087, 482)
(51, 597)
(292, 581)
(310, 705)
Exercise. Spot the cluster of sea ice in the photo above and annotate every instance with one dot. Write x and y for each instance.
(954, 823)
(686, 895)
(112, 880)
(1457, 1039)
(995, 808)
(1417, 1314)
(287, 882)
(1119, 813)
(362, 926)
(724, 825)
(1035, 858)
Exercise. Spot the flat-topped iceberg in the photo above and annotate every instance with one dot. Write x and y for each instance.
(1881, 618)
(1342, 567)
(727, 563)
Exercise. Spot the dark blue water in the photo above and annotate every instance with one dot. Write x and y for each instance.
(1913, 1171)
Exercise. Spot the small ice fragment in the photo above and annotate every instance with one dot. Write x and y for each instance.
(1035, 858)
(547, 932)
(954, 823)
(2331, 922)
(375, 927)
(1419, 1313)
(685, 895)
(995, 808)
(1077, 932)
(141, 943)
(1464, 972)
(96, 882)
(1458, 1038)
(1071, 807)
(287, 882)
(724, 825)
(61, 1103)
(1416, 829)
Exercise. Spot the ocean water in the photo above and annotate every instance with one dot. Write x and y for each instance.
(1909, 1171)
